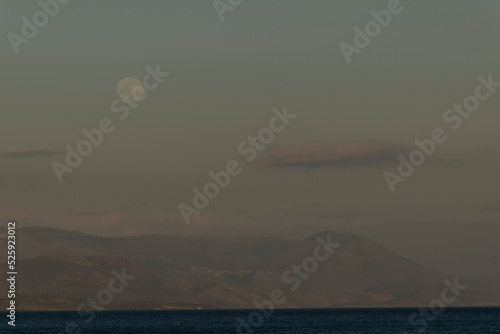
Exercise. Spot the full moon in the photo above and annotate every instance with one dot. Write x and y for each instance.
(130, 90)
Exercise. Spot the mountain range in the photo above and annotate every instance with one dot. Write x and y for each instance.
(61, 270)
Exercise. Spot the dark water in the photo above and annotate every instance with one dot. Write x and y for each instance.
(456, 321)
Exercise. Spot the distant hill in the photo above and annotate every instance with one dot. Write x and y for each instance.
(60, 269)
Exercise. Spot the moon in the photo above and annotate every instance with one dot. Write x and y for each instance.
(130, 90)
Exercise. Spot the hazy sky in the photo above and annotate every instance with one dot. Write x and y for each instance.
(225, 79)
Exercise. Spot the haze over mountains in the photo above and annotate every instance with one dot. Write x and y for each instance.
(60, 270)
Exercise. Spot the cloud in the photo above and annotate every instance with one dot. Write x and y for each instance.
(31, 152)
(95, 220)
(314, 155)
(491, 208)
(92, 212)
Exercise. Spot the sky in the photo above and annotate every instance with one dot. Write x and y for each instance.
(324, 171)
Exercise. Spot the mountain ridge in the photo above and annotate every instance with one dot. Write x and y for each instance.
(225, 272)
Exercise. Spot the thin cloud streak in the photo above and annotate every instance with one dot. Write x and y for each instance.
(314, 155)
(85, 213)
(22, 153)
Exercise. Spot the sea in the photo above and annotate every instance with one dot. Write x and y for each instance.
(300, 321)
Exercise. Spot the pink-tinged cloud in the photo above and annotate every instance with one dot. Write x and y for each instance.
(321, 154)
(96, 221)
(31, 152)
(82, 212)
